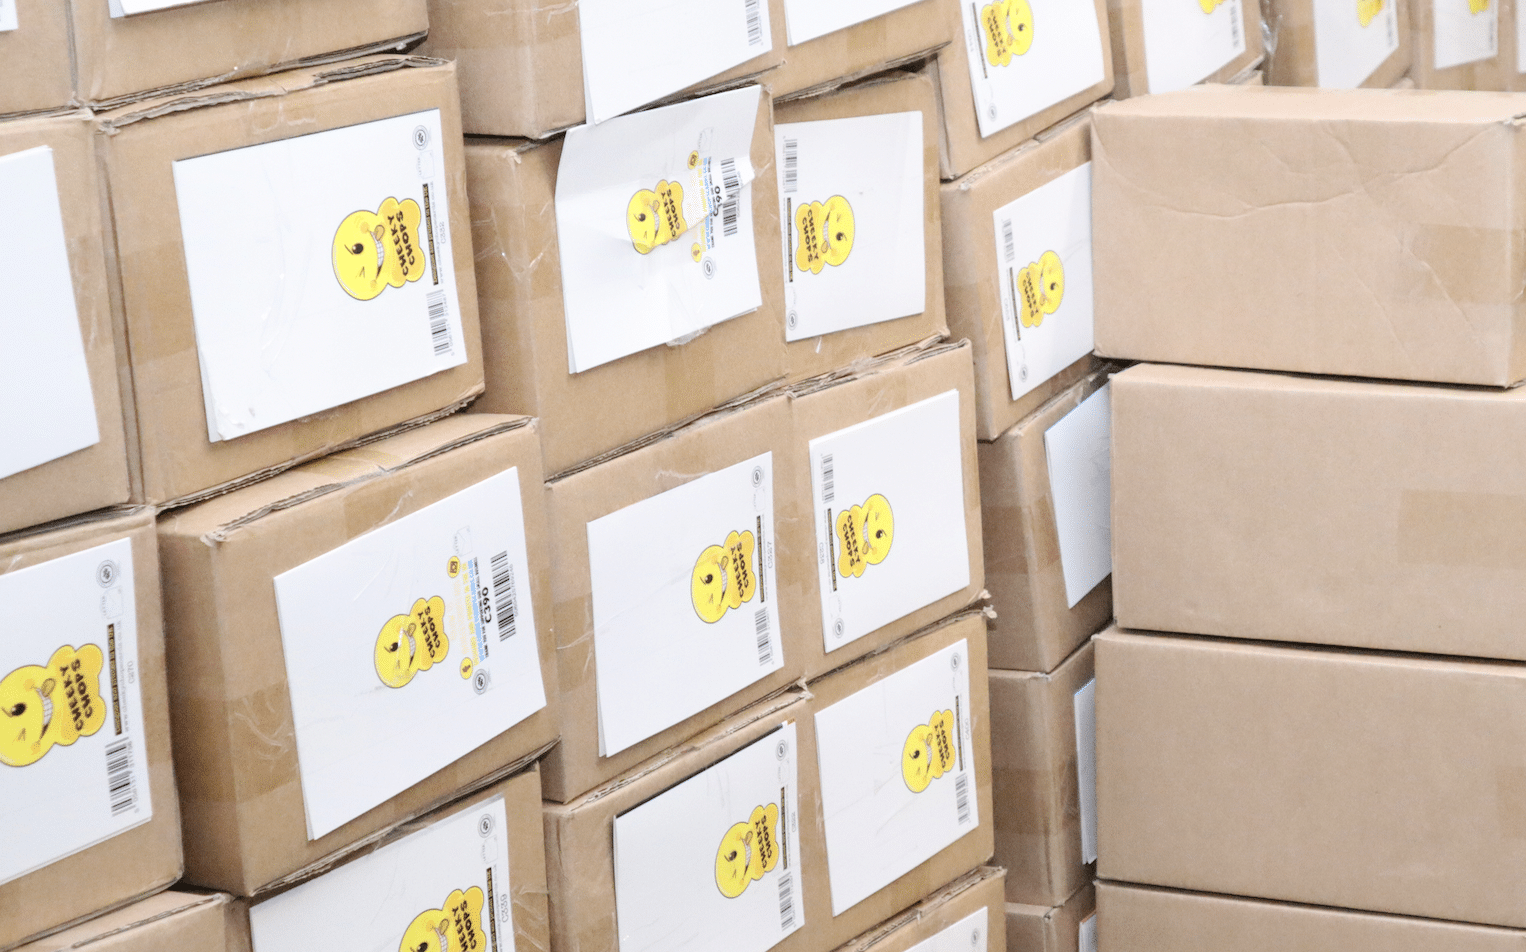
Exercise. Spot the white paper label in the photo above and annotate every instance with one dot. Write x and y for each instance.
(73, 769)
(714, 863)
(897, 764)
(121, 8)
(1044, 250)
(850, 202)
(1352, 38)
(654, 223)
(966, 935)
(320, 269)
(685, 609)
(7, 15)
(890, 531)
(51, 414)
(808, 19)
(1186, 41)
(1087, 939)
(1026, 55)
(1079, 451)
(1085, 704)
(622, 71)
(1520, 43)
(408, 648)
(1466, 31)
(445, 887)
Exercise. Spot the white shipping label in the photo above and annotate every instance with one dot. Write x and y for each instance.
(1087, 937)
(320, 269)
(897, 764)
(1085, 704)
(121, 8)
(622, 72)
(1186, 41)
(1026, 55)
(1520, 43)
(714, 862)
(1466, 31)
(73, 764)
(1044, 250)
(1352, 38)
(444, 888)
(966, 935)
(409, 647)
(685, 609)
(1079, 452)
(851, 204)
(890, 530)
(654, 224)
(53, 413)
(7, 16)
(808, 19)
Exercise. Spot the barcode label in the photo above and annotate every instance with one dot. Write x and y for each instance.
(1235, 18)
(503, 594)
(791, 165)
(1009, 243)
(754, 22)
(439, 323)
(121, 790)
(828, 481)
(787, 901)
(765, 643)
(962, 797)
(731, 183)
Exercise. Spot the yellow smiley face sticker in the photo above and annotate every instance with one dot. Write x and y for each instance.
(1008, 29)
(1367, 10)
(1041, 288)
(54, 705)
(655, 217)
(408, 644)
(864, 536)
(748, 851)
(455, 927)
(928, 752)
(724, 576)
(377, 250)
(824, 233)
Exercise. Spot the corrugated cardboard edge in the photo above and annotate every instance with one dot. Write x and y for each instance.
(71, 522)
(980, 606)
(81, 920)
(973, 177)
(890, 926)
(195, 901)
(868, 366)
(873, 76)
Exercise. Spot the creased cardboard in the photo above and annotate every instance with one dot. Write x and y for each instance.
(1058, 929)
(239, 767)
(969, 908)
(865, 48)
(34, 59)
(1131, 70)
(1307, 44)
(194, 922)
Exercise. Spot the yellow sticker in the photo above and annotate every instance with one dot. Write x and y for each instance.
(1041, 288)
(724, 576)
(747, 851)
(408, 644)
(824, 234)
(656, 216)
(929, 751)
(864, 535)
(380, 249)
(1008, 29)
(453, 566)
(41, 707)
(455, 927)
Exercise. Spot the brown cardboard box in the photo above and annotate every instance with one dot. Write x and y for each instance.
(521, 63)
(94, 477)
(863, 49)
(1035, 627)
(1131, 75)
(944, 911)
(831, 404)
(34, 59)
(1060, 929)
(513, 185)
(722, 439)
(1291, 44)
(118, 58)
(146, 858)
(184, 921)
(1039, 804)
(1161, 920)
(174, 457)
(1265, 208)
(1366, 781)
(891, 93)
(1488, 73)
(1312, 510)
(974, 267)
(236, 742)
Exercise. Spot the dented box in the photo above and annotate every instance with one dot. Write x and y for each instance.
(1161, 45)
(829, 43)
(35, 71)
(192, 922)
(967, 913)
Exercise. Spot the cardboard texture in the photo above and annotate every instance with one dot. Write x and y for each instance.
(1478, 50)
(1035, 628)
(1038, 801)
(973, 893)
(236, 740)
(863, 49)
(146, 858)
(34, 59)
(1057, 929)
(855, 396)
(1350, 513)
(1276, 184)
(1295, 56)
(894, 93)
(1131, 75)
(972, 267)
(513, 185)
(151, 289)
(1352, 780)
(193, 922)
(94, 477)
(117, 58)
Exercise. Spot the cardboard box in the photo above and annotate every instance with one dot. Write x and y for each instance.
(1045, 546)
(1265, 204)
(965, 911)
(1325, 511)
(65, 450)
(1040, 194)
(119, 58)
(678, 588)
(1458, 48)
(899, 432)
(1041, 746)
(525, 331)
(1072, 925)
(34, 57)
(1161, 47)
(194, 922)
(823, 49)
(289, 602)
(861, 144)
(1305, 49)
(522, 61)
(100, 827)
(1342, 779)
(479, 862)
(998, 90)
(273, 400)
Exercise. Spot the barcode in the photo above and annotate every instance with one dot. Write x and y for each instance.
(754, 22)
(439, 323)
(765, 643)
(1007, 240)
(962, 797)
(503, 594)
(120, 789)
(1235, 16)
(786, 901)
(828, 480)
(791, 165)
(731, 183)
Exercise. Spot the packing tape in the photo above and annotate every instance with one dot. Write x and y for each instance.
(1461, 529)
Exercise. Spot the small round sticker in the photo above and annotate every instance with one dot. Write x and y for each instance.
(420, 138)
(953, 662)
(792, 319)
(708, 267)
(485, 825)
(781, 750)
(757, 476)
(838, 628)
(453, 566)
(106, 573)
(480, 681)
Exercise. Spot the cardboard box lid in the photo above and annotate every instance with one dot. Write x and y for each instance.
(966, 898)
(35, 72)
(194, 922)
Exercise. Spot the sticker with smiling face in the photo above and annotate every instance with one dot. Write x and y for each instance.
(380, 249)
(1008, 29)
(41, 707)
(929, 751)
(864, 535)
(1478, 6)
(823, 234)
(1367, 10)
(724, 577)
(656, 216)
(1041, 288)
(456, 927)
(408, 644)
(747, 851)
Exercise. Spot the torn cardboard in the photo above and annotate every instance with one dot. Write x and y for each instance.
(1071, 925)
(879, 38)
(35, 72)
(967, 913)
(194, 922)
(1160, 46)
(1320, 43)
